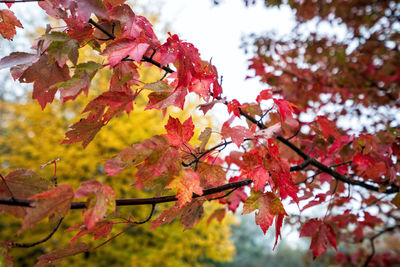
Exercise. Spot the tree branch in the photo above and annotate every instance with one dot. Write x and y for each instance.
(9, 201)
(134, 201)
(145, 58)
(343, 178)
(372, 239)
(153, 206)
(28, 245)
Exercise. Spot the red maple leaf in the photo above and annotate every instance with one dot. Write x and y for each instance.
(158, 158)
(233, 106)
(177, 133)
(264, 95)
(44, 75)
(59, 47)
(18, 58)
(54, 203)
(101, 199)
(322, 236)
(133, 26)
(166, 216)
(193, 213)
(77, 10)
(186, 184)
(101, 229)
(218, 214)
(238, 134)
(211, 175)
(83, 131)
(56, 256)
(328, 127)
(80, 82)
(124, 75)
(269, 207)
(119, 49)
(362, 162)
(193, 74)
(285, 108)
(8, 22)
(21, 183)
(190, 214)
(135, 154)
(163, 99)
(115, 102)
(260, 176)
(209, 105)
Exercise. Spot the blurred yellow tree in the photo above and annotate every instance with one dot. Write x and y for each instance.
(29, 136)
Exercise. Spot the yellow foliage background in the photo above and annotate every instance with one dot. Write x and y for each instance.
(30, 137)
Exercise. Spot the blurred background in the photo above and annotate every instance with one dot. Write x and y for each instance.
(30, 137)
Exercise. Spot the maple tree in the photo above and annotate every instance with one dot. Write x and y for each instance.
(353, 176)
(26, 121)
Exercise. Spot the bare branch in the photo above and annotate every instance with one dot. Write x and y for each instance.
(28, 245)
(9, 201)
(153, 206)
(372, 239)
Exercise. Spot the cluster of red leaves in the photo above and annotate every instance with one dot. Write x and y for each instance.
(308, 163)
(54, 202)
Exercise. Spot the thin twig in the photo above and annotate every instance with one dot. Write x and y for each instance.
(110, 35)
(301, 166)
(225, 195)
(371, 240)
(108, 240)
(127, 228)
(29, 245)
(294, 135)
(150, 215)
(6, 185)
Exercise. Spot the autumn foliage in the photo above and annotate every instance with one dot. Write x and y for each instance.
(281, 158)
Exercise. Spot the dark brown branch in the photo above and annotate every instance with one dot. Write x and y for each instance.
(144, 59)
(301, 166)
(28, 245)
(197, 158)
(372, 239)
(16, 202)
(98, 26)
(155, 63)
(343, 178)
(171, 198)
(153, 206)
(134, 201)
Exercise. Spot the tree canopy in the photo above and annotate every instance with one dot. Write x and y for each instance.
(293, 147)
